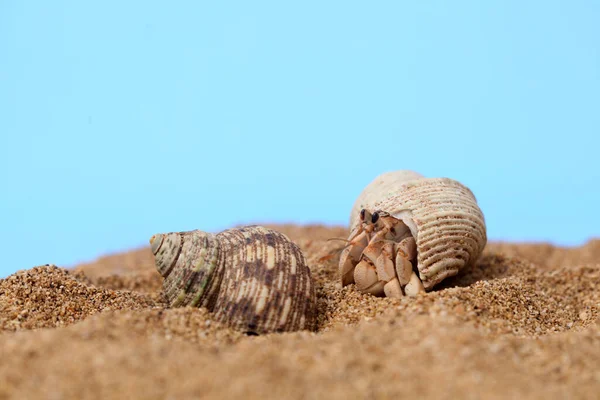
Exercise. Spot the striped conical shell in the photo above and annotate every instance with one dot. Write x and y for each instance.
(252, 278)
(442, 214)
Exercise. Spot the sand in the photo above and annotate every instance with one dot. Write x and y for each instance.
(523, 323)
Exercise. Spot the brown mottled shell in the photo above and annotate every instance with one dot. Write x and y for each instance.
(442, 214)
(252, 278)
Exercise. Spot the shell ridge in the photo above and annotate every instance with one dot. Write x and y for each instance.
(206, 297)
(172, 265)
(226, 304)
(432, 265)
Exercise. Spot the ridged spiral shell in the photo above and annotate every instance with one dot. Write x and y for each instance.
(251, 278)
(442, 215)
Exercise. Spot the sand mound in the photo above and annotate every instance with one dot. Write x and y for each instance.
(522, 323)
(49, 297)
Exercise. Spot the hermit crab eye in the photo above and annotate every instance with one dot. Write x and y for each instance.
(362, 214)
(375, 217)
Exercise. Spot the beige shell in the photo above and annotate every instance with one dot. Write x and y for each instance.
(441, 213)
(252, 278)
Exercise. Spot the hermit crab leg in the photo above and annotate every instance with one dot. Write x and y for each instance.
(351, 255)
(385, 263)
(373, 250)
(359, 239)
(392, 289)
(414, 286)
(386, 271)
(365, 276)
(406, 251)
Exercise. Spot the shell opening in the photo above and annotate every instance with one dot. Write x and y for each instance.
(406, 216)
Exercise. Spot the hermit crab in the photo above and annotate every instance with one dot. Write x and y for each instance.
(251, 278)
(408, 233)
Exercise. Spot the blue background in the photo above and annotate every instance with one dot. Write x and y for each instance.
(120, 119)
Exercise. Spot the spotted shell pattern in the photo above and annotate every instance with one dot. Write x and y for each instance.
(252, 278)
(442, 214)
